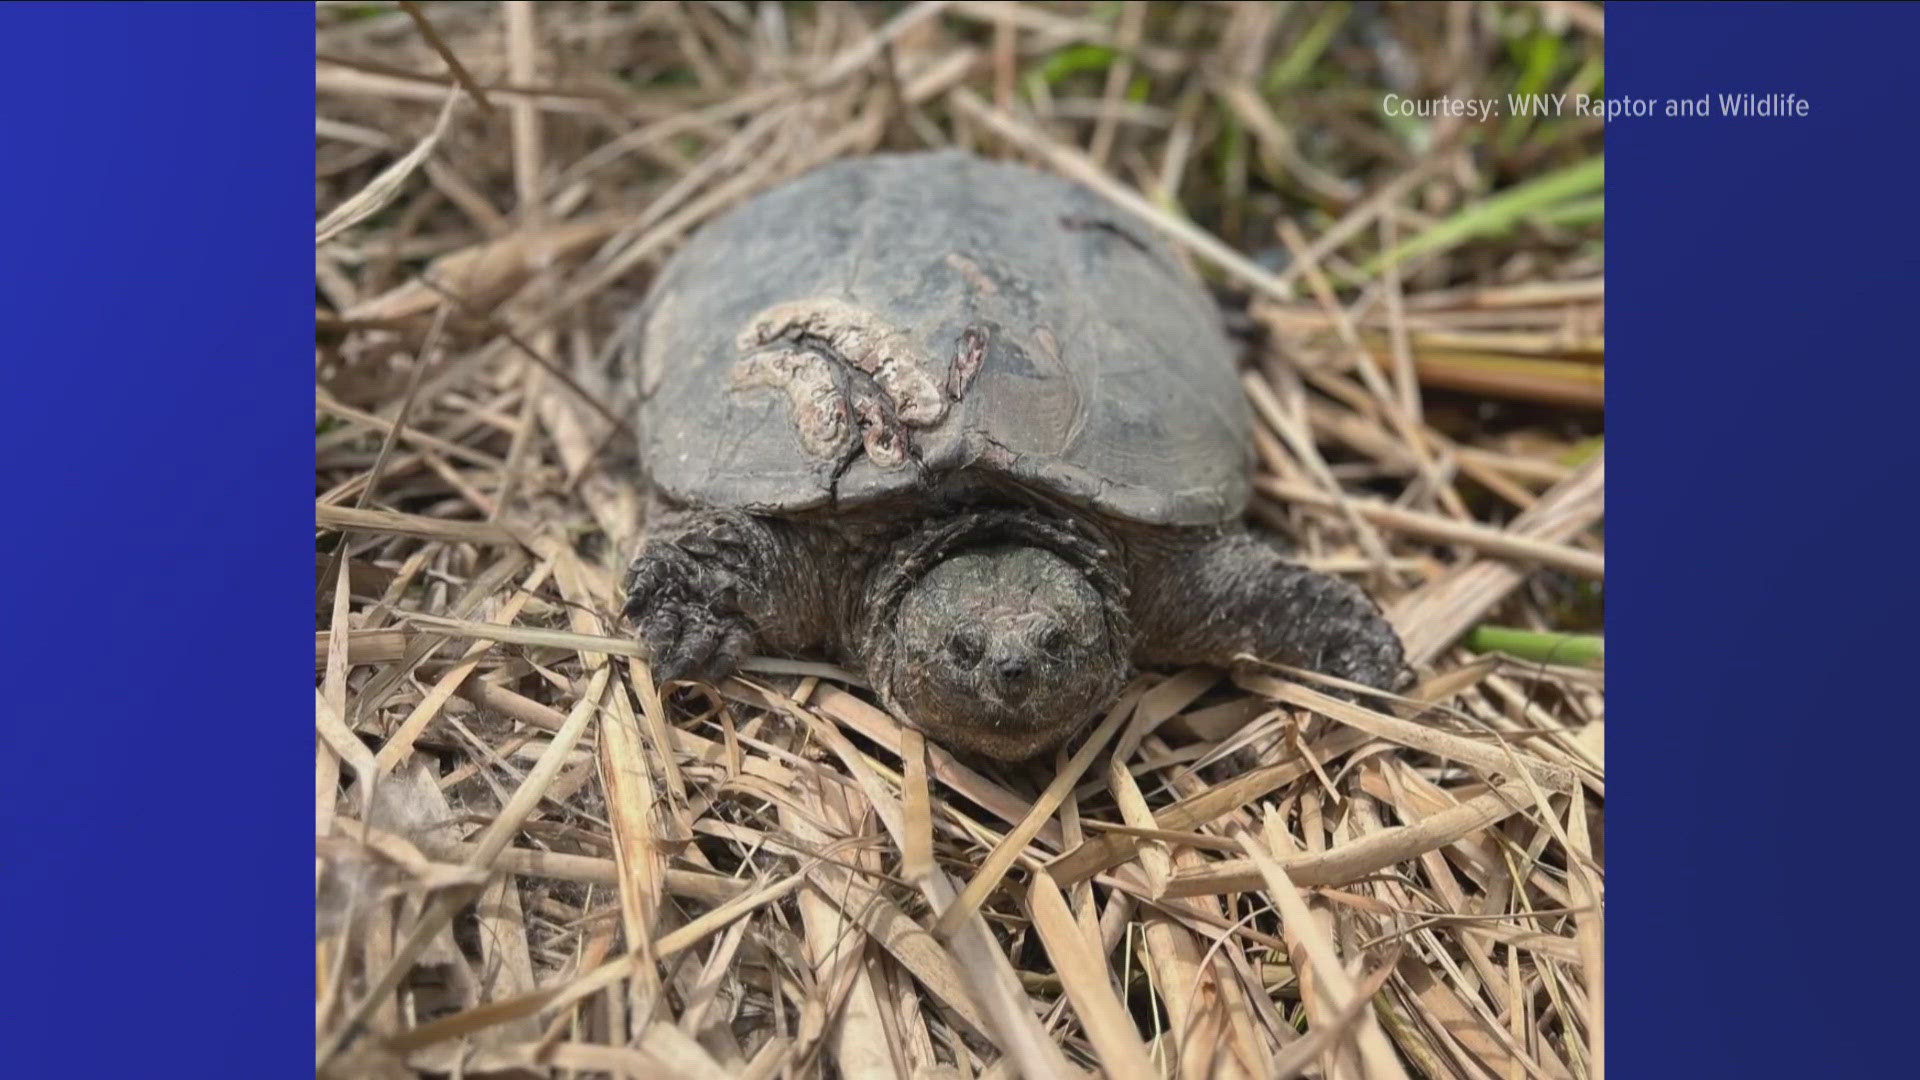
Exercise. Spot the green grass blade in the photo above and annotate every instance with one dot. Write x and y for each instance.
(1539, 647)
(1501, 212)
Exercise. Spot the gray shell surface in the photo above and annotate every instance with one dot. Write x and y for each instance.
(883, 322)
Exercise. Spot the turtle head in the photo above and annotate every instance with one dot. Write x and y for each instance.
(1003, 650)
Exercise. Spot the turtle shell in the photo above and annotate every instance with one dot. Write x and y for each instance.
(883, 325)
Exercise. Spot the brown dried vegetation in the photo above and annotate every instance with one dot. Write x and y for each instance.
(534, 861)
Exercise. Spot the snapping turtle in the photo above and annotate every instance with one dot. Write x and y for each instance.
(955, 423)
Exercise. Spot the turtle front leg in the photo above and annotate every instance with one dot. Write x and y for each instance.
(706, 588)
(1234, 593)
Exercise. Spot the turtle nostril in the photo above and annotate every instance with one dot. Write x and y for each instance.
(1013, 669)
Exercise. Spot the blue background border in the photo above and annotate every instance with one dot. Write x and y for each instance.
(155, 292)
(153, 321)
(1762, 426)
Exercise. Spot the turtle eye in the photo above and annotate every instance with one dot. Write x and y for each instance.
(1054, 641)
(965, 649)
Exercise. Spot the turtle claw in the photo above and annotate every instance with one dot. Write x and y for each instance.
(683, 597)
(691, 643)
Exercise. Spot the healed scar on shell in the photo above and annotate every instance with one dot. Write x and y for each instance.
(793, 347)
(819, 412)
(862, 340)
(885, 443)
(967, 358)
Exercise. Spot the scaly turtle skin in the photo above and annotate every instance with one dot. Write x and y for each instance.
(955, 423)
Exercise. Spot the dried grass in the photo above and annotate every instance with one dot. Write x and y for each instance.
(533, 861)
